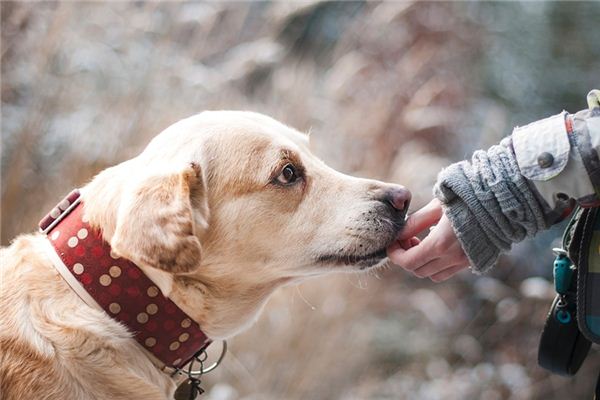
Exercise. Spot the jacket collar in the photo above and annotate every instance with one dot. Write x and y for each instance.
(117, 286)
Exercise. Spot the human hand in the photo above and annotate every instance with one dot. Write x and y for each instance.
(439, 255)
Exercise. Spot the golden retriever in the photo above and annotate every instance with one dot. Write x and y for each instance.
(219, 210)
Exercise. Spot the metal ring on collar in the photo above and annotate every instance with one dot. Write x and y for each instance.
(203, 371)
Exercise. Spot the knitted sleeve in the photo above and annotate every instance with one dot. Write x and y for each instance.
(491, 204)
(500, 198)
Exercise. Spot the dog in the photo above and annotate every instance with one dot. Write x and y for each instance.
(218, 211)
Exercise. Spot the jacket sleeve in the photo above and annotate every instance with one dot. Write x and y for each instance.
(524, 184)
(560, 154)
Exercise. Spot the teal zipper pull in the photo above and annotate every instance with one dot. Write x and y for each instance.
(563, 271)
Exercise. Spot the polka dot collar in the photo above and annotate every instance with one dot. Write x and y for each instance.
(119, 287)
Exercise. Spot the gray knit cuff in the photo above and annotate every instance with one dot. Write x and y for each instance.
(480, 251)
(490, 204)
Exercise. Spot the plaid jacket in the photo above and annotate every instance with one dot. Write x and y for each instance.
(560, 155)
(523, 185)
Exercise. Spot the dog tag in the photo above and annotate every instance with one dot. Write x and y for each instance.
(188, 390)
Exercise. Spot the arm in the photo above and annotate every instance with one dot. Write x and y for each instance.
(505, 194)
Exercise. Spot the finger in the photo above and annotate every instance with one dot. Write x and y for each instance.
(447, 273)
(433, 267)
(395, 247)
(408, 243)
(403, 244)
(422, 219)
(414, 257)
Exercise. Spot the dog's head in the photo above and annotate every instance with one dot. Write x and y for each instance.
(236, 202)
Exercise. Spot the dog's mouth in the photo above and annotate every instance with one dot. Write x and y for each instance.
(371, 259)
(361, 260)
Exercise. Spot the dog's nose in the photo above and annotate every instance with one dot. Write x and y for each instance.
(398, 197)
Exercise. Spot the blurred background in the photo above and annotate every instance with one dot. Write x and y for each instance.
(393, 91)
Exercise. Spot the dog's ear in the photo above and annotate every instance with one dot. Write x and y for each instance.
(157, 219)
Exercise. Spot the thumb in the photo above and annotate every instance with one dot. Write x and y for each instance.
(422, 219)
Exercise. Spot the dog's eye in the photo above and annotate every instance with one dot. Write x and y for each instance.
(288, 175)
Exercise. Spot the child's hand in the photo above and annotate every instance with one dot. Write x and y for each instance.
(439, 255)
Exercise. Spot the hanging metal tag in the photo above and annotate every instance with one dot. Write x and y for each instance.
(188, 390)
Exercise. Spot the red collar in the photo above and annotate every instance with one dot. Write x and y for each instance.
(120, 288)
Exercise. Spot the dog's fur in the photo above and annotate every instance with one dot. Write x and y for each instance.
(202, 213)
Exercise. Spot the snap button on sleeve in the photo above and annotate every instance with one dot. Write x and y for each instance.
(542, 148)
(545, 160)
